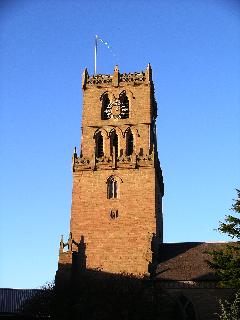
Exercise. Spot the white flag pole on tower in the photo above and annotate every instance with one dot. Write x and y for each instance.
(95, 54)
(95, 51)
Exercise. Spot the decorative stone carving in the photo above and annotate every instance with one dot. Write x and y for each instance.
(104, 159)
(145, 160)
(105, 162)
(81, 163)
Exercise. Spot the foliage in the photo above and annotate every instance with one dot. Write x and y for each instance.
(41, 304)
(230, 311)
(226, 261)
(232, 225)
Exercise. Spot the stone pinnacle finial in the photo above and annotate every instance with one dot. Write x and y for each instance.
(74, 157)
(148, 73)
(61, 245)
(85, 76)
(116, 76)
(70, 242)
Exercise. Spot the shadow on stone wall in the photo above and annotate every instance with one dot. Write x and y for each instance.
(86, 294)
(96, 295)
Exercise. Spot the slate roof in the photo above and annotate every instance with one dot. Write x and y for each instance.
(186, 261)
(11, 300)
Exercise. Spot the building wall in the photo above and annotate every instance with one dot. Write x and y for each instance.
(121, 244)
(121, 235)
(125, 243)
(205, 301)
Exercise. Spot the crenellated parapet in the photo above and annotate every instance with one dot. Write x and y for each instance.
(116, 79)
(99, 79)
(146, 160)
(132, 161)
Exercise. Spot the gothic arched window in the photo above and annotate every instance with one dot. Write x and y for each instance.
(114, 143)
(99, 145)
(112, 188)
(106, 109)
(124, 105)
(188, 308)
(129, 143)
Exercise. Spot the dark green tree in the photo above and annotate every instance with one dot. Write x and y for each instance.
(226, 261)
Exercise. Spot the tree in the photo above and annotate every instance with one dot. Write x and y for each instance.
(230, 310)
(226, 261)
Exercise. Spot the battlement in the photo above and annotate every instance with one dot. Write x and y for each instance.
(113, 162)
(117, 78)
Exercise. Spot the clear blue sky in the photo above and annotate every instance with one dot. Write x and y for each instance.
(194, 49)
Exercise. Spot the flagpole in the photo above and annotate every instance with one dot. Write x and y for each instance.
(95, 55)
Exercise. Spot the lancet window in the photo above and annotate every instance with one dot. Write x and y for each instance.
(106, 108)
(112, 188)
(124, 103)
(129, 143)
(99, 145)
(114, 143)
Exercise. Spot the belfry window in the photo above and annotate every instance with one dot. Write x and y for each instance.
(106, 109)
(129, 143)
(112, 188)
(99, 145)
(114, 143)
(124, 103)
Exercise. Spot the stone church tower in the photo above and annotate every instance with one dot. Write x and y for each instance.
(116, 213)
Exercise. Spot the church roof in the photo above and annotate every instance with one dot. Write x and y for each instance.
(186, 261)
(11, 300)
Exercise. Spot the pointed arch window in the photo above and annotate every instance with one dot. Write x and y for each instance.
(106, 108)
(112, 188)
(129, 143)
(99, 145)
(114, 143)
(124, 103)
(188, 308)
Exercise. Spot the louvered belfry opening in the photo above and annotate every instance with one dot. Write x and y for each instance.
(124, 105)
(106, 109)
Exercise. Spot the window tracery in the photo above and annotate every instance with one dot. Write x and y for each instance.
(117, 108)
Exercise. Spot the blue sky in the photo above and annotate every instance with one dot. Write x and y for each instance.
(194, 50)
